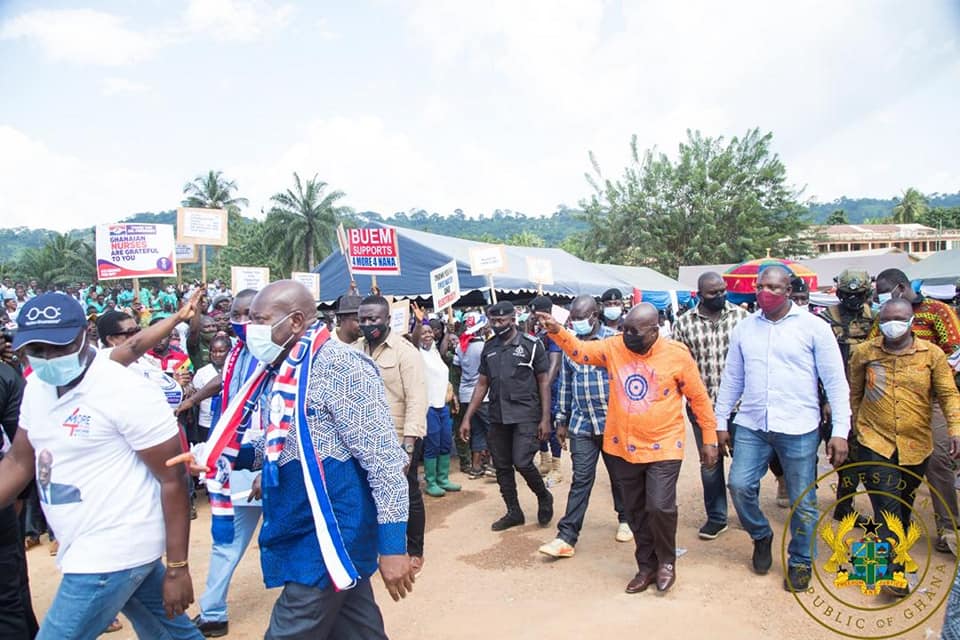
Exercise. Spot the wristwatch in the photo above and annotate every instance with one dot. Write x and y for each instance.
(409, 448)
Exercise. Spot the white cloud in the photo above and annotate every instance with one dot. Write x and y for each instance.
(82, 36)
(114, 86)
(235, 20)
(75, 192)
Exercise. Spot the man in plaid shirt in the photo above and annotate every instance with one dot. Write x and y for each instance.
(706, 332)
(582, 415)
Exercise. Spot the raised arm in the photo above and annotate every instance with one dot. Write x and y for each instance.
(137, 345)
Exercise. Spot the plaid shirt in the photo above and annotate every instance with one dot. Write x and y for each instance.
(708, 341)
(583, 392)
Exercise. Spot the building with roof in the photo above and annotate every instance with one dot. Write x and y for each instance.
(916, 239)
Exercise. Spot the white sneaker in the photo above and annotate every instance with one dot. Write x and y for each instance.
(557, 549)
(624, 534)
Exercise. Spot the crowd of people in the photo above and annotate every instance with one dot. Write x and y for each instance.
(319, 422)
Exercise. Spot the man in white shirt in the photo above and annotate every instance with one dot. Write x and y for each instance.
(775, 358)
(104, 433)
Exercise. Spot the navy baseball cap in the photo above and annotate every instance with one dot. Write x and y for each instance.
(53, 318)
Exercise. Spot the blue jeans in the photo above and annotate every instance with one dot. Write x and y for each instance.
(86, 603)
(951, 621)
(798, 455)
(714, 484)
(439, 440)
(224, 559)
(585, 451)
(479, 427)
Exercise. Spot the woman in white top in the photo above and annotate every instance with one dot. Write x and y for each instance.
(439, 441)
(210, 408)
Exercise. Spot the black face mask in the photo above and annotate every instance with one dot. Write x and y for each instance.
(715, 303)
(852, 302)
(502, 330)
(373, 332)
(636, 343)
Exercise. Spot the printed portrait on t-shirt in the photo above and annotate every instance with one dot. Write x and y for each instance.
(53, 493)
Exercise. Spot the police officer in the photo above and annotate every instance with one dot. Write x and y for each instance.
(515, 371)
(851, 321)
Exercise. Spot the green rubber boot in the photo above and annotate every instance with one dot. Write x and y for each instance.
(443, 474)
(430, 473)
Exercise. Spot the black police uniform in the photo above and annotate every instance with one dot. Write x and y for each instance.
(511, 368)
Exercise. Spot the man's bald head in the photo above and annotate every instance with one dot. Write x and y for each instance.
(583, 306)
(708, 280)
(643, 313)
(284, 296)
(896, 309)
(775, 275)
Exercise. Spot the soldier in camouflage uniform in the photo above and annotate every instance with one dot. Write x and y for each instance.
(851, 321)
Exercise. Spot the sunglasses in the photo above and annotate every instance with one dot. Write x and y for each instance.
(128, 332)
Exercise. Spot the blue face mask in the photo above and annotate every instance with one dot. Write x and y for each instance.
(61, 370)
(582, 327)
(612, 313)
(884, 297)
(240, 329)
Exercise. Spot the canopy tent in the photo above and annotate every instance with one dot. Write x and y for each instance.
(421, 252)
(943, 267)
(653, 286)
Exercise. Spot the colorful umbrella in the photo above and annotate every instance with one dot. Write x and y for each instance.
(742, 278)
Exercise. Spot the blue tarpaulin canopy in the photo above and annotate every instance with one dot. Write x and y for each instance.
(421, 252)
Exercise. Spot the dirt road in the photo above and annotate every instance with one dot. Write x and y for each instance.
(479, 585)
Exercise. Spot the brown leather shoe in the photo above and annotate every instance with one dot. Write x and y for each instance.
(666, 576)
(641, 581)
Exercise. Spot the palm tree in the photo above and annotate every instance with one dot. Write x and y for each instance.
(64, 258)
(302, 224)
(212, 191)
(911, 207)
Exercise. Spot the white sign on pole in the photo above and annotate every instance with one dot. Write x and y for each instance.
(400, 317)
(486, 260)
(202, 226)
(445, 286)
(540, 270)
(309, 280)
(248, 278)
(187, 253)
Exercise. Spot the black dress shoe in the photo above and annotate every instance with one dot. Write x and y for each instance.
(666, 576)
(641, 581)
(211, 629)
(762, 556)
(512, 519)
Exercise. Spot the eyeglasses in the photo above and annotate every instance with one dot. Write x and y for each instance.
(128, 332)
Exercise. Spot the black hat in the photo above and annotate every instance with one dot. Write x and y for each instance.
(541, 303)
(501, 310)
(611, 294)
(799, 286)
(348, 304)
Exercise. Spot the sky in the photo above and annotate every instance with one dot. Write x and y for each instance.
(108, 108)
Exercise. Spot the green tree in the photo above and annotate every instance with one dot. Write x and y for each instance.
(212, 191)
(912, 207)
(524, 239)
(838, 216)
(941, 217)
(302, 224)
(62, 260)
(720, 201)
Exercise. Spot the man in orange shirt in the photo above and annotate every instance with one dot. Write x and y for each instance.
(645, 431)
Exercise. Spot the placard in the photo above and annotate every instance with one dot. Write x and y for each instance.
(540, 270)
(309, 280)
(400, 317)
(445, 286)
(202, 226)
(134, 250)
(484, 260)
(374, 251)
(559, 314)
(248, 278)
(187, 253)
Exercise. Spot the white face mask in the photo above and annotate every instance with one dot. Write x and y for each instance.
(260, 341)
(894, 329)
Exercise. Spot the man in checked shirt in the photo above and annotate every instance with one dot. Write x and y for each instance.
(706, 332)
(582, 416)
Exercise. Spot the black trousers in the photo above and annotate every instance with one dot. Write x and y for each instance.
(513, 446)
(417, 520)
(307, 613)
(17, 621)
(650, 500)
(892, 483)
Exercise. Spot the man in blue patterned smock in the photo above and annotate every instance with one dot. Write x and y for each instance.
(330, 517)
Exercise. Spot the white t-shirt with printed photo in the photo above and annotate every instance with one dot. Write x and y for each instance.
(99, 497)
